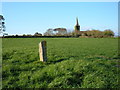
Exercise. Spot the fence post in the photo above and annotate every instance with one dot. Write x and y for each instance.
(43, 51)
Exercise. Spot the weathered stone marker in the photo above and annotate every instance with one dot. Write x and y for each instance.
(43, 51)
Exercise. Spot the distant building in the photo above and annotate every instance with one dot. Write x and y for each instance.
(77, 26)
(77, 29)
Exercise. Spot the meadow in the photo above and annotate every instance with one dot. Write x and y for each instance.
(72, 63)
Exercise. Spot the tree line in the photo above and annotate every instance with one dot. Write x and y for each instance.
(95, 33)
(86, 34)
(89, 33)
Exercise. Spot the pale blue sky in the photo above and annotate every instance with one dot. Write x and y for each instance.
(31, 17)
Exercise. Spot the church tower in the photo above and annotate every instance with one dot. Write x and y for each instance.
(77, 26)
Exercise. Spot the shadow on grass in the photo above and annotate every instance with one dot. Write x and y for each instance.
(59, 60)
(55, 60)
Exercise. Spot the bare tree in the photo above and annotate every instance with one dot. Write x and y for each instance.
(49, 32)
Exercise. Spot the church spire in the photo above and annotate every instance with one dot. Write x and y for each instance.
(77, 26)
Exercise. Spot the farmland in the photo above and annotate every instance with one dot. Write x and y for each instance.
(72, 63)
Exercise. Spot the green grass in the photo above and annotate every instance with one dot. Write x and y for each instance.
(72, 63)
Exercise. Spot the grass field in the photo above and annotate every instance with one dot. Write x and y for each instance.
(72, 63)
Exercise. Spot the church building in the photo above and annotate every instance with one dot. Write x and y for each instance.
(77, 26)
(77, 29)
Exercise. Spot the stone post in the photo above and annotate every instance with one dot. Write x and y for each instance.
(43, 51)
